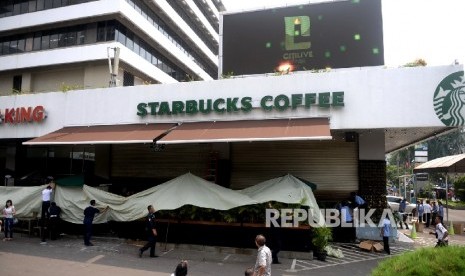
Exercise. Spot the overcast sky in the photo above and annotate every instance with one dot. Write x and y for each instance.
(433, 30)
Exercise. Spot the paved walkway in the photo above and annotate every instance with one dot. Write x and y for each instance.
(425, 239)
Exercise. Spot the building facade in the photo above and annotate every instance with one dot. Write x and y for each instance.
(62, 45)
(331, 128)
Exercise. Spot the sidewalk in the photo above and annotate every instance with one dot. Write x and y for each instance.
(425, 239)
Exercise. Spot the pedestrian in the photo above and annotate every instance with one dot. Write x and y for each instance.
(441, 212)
(248, 271)
(151, 227)
(427, 210)
(441, 234)
(181, 269)
(44, 215)
(9, 213)
(54, 220)
(434, 213)
(263, 263)
(420, 211)
(89, 214)
(404, 216)
(386, 233)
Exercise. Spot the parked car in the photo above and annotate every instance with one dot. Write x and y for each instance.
(394, 201)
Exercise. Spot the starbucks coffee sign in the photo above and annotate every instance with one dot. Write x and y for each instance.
(229, 105)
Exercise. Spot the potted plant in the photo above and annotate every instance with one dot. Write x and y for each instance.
(321, 237)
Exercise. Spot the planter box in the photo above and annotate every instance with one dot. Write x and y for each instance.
(458, 228)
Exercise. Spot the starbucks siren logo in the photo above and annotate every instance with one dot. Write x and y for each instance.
(449, 100)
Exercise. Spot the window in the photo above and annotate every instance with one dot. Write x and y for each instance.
(128, 79)
(17, 80)
(37, 41)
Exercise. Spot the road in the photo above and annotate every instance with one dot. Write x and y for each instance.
(455, 215)
(68, 256)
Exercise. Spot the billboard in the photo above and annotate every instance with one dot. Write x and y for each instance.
(338, 34)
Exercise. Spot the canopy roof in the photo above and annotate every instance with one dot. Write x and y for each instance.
(103, 134)
(249, 130)
(448, 164)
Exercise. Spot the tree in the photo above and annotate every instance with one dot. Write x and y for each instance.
(448, 144)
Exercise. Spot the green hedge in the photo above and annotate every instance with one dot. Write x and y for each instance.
(426, 261)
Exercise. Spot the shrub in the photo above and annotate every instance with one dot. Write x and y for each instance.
(426, 261)
(459, 186)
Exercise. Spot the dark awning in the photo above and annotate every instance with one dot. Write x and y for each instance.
(110, 134)
(258, 130)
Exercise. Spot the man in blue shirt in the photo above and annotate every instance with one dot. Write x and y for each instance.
(357, 201)
(386, 233)
(89, 214)
(402, 206)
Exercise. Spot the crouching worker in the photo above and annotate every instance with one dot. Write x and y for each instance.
(441, 233)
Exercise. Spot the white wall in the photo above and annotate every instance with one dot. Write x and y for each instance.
(374, 98)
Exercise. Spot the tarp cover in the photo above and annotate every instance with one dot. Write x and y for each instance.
(186, 189)
(285, 189)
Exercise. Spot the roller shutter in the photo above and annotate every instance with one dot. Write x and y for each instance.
(333, 166)
(141, 160)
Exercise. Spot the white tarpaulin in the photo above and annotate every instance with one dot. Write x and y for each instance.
(25, 199)
(183, 190)
(286, 189)
(186, 189)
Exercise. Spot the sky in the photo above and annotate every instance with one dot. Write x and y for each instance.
(433, 30)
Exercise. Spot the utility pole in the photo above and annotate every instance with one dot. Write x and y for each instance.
(113, 69)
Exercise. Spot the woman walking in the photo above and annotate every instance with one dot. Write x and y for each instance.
(8, 213)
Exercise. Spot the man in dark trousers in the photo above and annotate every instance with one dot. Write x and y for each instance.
(89, 214)
(44, 215)
(54, 220)
(151, 233)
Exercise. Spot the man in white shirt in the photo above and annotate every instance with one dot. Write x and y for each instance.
(427, 212)
(44, 215)
(441, 233)
(263, 263)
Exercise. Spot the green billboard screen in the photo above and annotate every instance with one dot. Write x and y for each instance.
(339, 34)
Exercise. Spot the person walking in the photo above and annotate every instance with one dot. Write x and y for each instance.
(8, 213)
(44, 215)
(441, 212)
(151, 233)
(427, 210)
(89, 214)
(386, 233)
(434, 212)
(420, 211)
(404, 216)
(263, 263)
